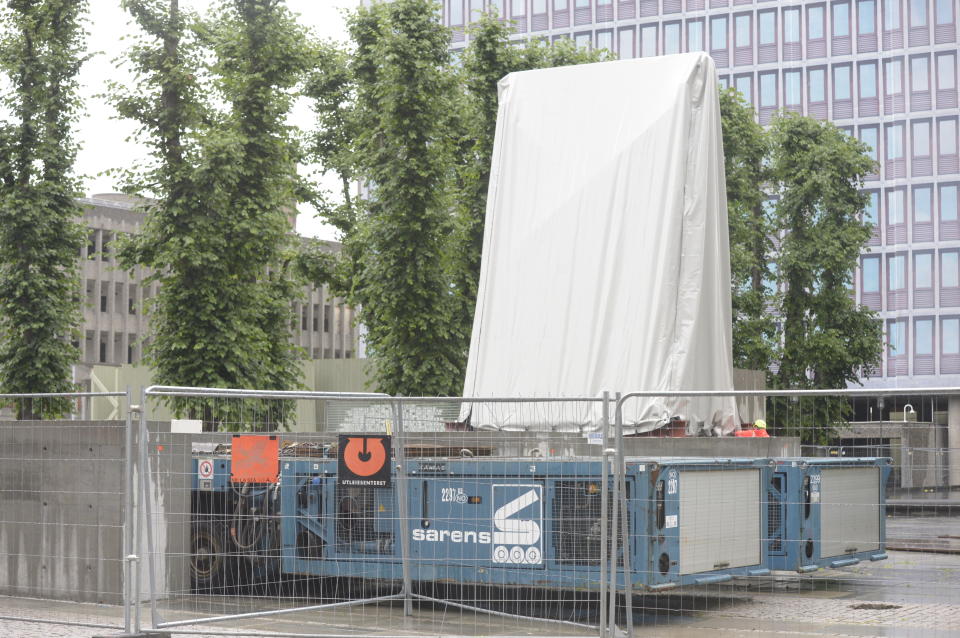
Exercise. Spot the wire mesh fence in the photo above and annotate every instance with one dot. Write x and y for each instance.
(331, 514)
(63, 488)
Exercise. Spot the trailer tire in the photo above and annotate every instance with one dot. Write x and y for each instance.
(212, 566)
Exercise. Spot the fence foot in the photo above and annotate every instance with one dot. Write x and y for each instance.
(142, 634)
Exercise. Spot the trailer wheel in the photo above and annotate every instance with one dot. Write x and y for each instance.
(209, 562)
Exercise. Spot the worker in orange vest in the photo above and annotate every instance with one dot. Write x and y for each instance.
(759, 428)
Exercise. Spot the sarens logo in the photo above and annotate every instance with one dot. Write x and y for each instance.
(450, 535)
(518, 524)
(517, 527)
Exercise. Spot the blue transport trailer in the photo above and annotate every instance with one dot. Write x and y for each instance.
(827, 512)
(536, 522)
(484, 521)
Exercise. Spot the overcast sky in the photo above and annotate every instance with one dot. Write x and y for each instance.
(103, 139)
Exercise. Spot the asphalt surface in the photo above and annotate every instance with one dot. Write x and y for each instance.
(910, 594)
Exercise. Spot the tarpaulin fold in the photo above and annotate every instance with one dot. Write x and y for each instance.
(605, 255)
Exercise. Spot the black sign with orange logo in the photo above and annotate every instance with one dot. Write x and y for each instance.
(363, 460)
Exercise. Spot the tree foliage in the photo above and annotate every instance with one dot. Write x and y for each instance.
(40, 235)
(826, 337)
(212, 101)
(404, 93)
(746, 148)
(796, 231)
(417, 127)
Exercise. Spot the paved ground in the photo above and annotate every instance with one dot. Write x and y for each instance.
(911, 594)
(931, 533)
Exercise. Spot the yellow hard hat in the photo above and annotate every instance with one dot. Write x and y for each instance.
(760, 423)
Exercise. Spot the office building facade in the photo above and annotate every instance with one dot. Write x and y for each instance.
(885, 71)
(115, 324)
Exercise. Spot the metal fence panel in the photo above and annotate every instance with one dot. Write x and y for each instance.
(63, 506)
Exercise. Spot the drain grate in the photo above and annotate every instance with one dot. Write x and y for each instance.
(877, 606)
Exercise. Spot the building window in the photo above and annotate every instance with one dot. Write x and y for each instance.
(871, 274)
(894, 207)
(841, 20)
(868, 80)
(866, 17)
(948, 203)
(945, 11)
(768, 90)
(947, 136)
(897, 337)
(921, 138)
(946, 71)
(922, 209)
(695, 35)
(923, 270)
(648, 41)
(671, 38)
(327, 317)
(456, 12)
(792, 88)
(476, 8)
(718, 33)
(893, 70)
(891, 14)
(767, 27)
(949, 269)
(791, 25)
(950, 336)
(894, 141)
(896, 273)
(923, 336)
(605, 40)
(744, 84)
(919, 74)
(923, 344)
(103, 349)
(841, 82)
(918, 13)
(626, 48)
(742, 30)
(815, 23)
(870, 210)
(582, 40)
(817, 85)
(868, 135)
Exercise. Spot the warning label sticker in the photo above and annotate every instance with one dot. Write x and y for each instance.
(205, 469)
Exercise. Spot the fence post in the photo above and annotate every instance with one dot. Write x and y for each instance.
(611, 453)
(147, 507)
(604, 490)
(401, 491)
(624, 523)
(128, 516)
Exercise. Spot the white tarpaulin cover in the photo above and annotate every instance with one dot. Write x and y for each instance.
(605, 257)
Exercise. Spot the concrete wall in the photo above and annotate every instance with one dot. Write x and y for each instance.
(61, 508)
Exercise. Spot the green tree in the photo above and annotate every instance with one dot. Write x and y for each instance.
(224, 175)
(746, 147)
(826, 338)
(401, 287)
(40, 234)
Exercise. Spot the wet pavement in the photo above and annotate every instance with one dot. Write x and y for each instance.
(910, 594)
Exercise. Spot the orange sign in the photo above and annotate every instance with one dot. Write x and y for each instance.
(363, 460)
(254, 459)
